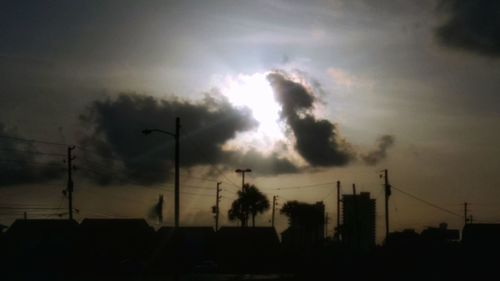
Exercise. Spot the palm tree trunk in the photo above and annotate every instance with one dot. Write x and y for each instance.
(253, 220)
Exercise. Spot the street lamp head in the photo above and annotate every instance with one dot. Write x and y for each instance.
(243, 171)
(146, 131)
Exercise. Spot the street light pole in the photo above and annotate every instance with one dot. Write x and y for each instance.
(243, 171)
(176, 160)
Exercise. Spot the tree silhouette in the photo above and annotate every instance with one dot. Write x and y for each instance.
(250, 202)
(238, 212)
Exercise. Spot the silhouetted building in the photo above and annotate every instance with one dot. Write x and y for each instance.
(306, 227)
(2, 233)
(440, 234)
(248, 249)
(39, 245)
(182, 248)
(402, 239)
(481, 236)
(115, 245)
(481, 245)
(358, 227)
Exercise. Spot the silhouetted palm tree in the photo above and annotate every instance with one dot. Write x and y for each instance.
(250, 202)
(238, 212)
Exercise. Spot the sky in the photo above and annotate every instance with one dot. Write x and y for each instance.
(304, 93)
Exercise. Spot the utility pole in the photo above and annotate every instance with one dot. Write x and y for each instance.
(356, 217)
(274, 210)
(176, 188)
(387, 192)
(70, 182)
(326, 225)
(217, 200)
(336, 234)
(159, 208)
(465, 213)
(338, 205)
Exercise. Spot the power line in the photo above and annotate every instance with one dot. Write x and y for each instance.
(93, 152)
(427, 202)
(158, 171)
(118, 176)
(161, 171)
(121, 162)
(33, 152)
(203, 178)
(301, 186)
(31, 163)
(29, 208)
(194, 186)
(198, 187)
(32, 140)
(195, 145)
(328, 195)
(164, 186)
(190, 193)
(125, 179)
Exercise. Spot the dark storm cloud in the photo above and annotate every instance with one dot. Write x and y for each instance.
(22, 163)
(262, 164)
(114, 132)
(472, 25)
(292, 96)
(317, 140)
(380, 152)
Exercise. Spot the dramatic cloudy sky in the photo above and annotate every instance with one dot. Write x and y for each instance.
(304, 93)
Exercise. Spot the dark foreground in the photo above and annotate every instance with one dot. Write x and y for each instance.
(131, 250)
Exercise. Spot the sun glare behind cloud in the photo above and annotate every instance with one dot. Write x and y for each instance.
(255, 92)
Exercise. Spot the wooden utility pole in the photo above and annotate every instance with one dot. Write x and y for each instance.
(274, 210)
(326, 225)
(70, 181)
(217, 200)
(176, 188)
(465, 213)
(387, 192)
(338, 205)
(356, 219)
(159, 208)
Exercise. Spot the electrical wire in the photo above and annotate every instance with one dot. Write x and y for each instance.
(33, 152)
(32, 140)
(33, 163)
(197, 147)
(302, 186)
(29, 208)
(426, 202)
